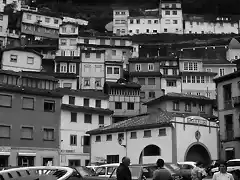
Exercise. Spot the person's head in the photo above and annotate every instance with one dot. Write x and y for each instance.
(160, 163)
(223, 167)
(126, 161)
(199, 164)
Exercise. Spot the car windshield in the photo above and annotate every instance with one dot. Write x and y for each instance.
(84, 171)
(136, 171)
(173, 166)
(233, 163)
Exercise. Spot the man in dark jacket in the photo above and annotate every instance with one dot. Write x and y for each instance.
(123, 171)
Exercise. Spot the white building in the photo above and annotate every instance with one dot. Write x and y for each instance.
(3, 29)
(75, 20)
(144, 25)
(120, 20)
(17, 4)
(21, 59)
(172, 18)
(81, 112)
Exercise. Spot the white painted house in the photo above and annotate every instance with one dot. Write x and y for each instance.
(168, 131)
(120, 20)
(21, 59)
(81, 112)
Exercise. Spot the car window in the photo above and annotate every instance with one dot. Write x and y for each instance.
(233, 163)
(186, 166)
(110, 170)
(136, 171)
(101, 171)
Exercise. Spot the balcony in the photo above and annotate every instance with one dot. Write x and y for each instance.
(229, 135)
(228, 104)
(86, 149)
(45, 43)
(28, 8)
(236, 101)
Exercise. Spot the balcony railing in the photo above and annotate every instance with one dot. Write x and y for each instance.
(228, 104)
(236, 101)
(86, 149)
(229, 135)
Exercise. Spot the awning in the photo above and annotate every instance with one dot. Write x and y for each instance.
(5, 153)
(26, 154)
(229, 149)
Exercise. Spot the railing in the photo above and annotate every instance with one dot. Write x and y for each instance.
(228, 104)
(229, 135)
(236, 101)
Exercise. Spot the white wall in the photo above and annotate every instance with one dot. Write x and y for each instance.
(168, 89)
(72, 81)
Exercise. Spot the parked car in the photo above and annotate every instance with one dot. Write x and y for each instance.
(186, 168)
(232, 165)
(106, 169)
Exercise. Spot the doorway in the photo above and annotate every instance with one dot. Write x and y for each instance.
(4, 161)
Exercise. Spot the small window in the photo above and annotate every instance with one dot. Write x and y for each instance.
(98, 82)
(49, 106)
(175, 21)
(151, 81)
(142, 95)
(176, 106)
(88, 118)
(48, 134)
(98, 103)
(120, 136)
(138, 67)
(87, 55)
(30, 60)
(13, 58)
(29, 16)
(73, 140)
(98, 55)
(63, 42)
(1, 17)
(116, 70)
(71, 100)
(118, 105)
(5, 100)
(174, 12)
(151, 94)
(5, 131)
(188, 107)
(109, 137)
(86, 102)
(55, 21)
(27, 133)
(149, 22)
(73, 117)
(98, 138)
(109, 70)
(133, 135)
(28, 103)
(130, 106)
(100, 119)
(167, 12)
(114, 52)
(141, 81)
(202, 108)
(147, 133)
(47, 20)
(86, 82)
(150, 67)
(155, 21)
(171, 83)
(162, 132)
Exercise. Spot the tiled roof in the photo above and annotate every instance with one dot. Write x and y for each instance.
(178, 96)
(234, 44)
(67, 58)
(122, 84)
(145, 74)
(45, 13)
(104, 46)
(93, 51)
(146, 121)
(153, 59)
(24, 49)
(84, 93)
(56, 74)
(233, 75)
(206, 116)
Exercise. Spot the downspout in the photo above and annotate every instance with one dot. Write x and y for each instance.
(126, 142)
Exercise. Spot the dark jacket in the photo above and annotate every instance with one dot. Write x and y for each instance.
(123, 173)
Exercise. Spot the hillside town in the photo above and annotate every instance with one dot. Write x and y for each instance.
(70, 96)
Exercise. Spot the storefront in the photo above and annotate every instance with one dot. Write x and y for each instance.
(26, 159)
(4, 156)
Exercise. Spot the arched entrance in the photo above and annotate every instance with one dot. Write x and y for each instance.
(150, 154)
(198, 152)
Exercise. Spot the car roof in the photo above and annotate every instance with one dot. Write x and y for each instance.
(110, 165)
(234, 160)
(188, 162)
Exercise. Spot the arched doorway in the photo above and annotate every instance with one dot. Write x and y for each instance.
(198, 152)
(150, 154)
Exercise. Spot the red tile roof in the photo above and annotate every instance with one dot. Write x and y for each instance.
(145, 121)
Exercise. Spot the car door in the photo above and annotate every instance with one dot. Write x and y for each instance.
(186, 171)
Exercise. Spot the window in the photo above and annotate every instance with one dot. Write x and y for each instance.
(47, 20)
(141, 81)
(73, 117)
(176, 106)
(5, 100)
(71, 100)
(130, 106)
(171, 83)
(1, 17)
(109, 137)
(151, 67)
(149, 22)
(100, 119)
(195, 66)
(109, 70)
(184, 79)
(63, 67)
(67, 85)
(151, 94)
(193, 79)
(27, 133)
(175, 72)
(0, 28)
(147, 133)
(98, 138)
(86, 41)
(28, 103)
(29, 16)
(13, 58)
(162, 132)
(73, 29)
(151, 81)
(98, 103)
(165, 71)
(138, 67)
(87, 55)
(62, 53)
(118, 105)
(74, 162)
(55, 21)
(133, 135)
(155, 21)
(86, 102)
(88, 118)
(175, 21)
(208, 94)
(198, 79)
(202, 108)
(98, 68)
(138, 21)
(137, 31)
(198, 93)
(87, 68)
(188, 107)
(174, 12)
(48, 134)
(98, 55)
(30, 60)
(98, 82)
(167, 12)
(49, 106)
(73, 140)
(131, 21)
(112, 159)
(190, 66)
(63, 42)
(72, 68)
(221, 72)
(86, 82)
(116, 70)
(167, 21)
(5, 131)
(73, 42)
(185, 66)
(142, 94)
(114, 52)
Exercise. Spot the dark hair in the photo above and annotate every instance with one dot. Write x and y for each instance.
(199, 163)
(160, 163)
(223, 163)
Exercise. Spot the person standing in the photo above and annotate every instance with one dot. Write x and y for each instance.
(222, 174)
(161, 173)
(123, 171)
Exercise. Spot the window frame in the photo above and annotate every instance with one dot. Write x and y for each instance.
(25, 108)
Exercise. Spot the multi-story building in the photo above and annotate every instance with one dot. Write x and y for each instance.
(21, 59)
(209, 24)
(92, 69)
(144, 25)
(233, 52)
(81, 111)
(3, 29)
(228, 114)
(160, 133)
(124, 98)
(32, 139)
(68, 37)
(17, 4)
(171, 17)
(120, 20)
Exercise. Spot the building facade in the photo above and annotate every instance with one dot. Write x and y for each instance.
(158, 134)
(120, 20)
(81, 111)
(32, 140)
(124, 98)
(21, 59)
(3, 29)
(228, 114)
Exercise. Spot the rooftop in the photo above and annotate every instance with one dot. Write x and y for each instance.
(122, 83)
(227, 77)
(179, 96)
(24, 49)
(234, 44)
(153, 59)
(157, 119)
